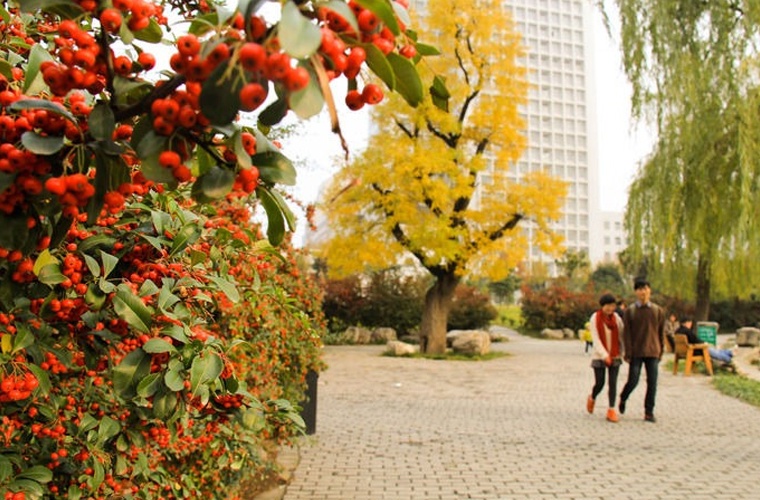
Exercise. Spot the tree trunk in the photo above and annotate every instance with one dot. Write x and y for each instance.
(702, 312)
(436, 313)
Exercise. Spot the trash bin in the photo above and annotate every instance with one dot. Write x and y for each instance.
(707, 331)
(309, 404)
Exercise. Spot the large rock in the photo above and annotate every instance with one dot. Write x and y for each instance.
(549, 333)
(472, 342)
(357, 335)
(568, 333)
(748, 336)
(382, 335)
(398, 348)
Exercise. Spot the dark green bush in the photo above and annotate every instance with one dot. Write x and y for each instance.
(384, 299)
(471, 309)
(394, 299)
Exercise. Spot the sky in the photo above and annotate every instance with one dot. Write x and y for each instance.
(621, 145)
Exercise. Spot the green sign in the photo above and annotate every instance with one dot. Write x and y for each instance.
(707, 331)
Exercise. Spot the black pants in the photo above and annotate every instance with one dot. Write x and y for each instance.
(651, 365)
(599, 373)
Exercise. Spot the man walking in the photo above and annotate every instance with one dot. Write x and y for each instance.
(644, 327)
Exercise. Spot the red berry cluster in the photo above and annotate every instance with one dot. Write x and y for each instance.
(17, 386)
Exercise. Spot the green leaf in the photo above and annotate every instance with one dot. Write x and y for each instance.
(213, 185)
(204, 369)
(149, 385)
(5, 69)
(439, 93)
(151, 34)
(75, 492)
(164, 404)
(37, 473)
(275, 168)
(41, 144)
(220, 96)
(53, 107)
(133, 368)
(66, 9)
(383, 10)
(207, 22)
(128, 91)
(149, 144)
(42, 377)
(108, 429)
(274, 113)
(166, 299)
(87, 423)
(109, 263)
(157, 346)
(23, 338)
(408, 83)
(427, 50)
(174, 380)
(275, 218)
(43, 259)
(298, 36)
(92, 265)
(186, 236)
(379, 65)
(51, 275)
(101, 122)
(33, 81)
(229, 289)
(131, 309)
(308, 101)
(155, 172)
(6, 469)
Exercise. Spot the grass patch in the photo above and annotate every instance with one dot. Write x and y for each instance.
(509, 315)
(738, 386)
(453, 356)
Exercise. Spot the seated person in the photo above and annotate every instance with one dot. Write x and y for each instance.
(686, 328)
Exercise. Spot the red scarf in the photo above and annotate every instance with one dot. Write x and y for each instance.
(610, 322)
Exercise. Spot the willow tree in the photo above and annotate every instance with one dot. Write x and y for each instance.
(690, 215)
(433, 186)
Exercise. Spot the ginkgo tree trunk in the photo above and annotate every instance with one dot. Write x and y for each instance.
(434, 187)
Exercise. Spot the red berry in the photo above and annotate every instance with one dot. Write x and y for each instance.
(372, 94)
(354, 100)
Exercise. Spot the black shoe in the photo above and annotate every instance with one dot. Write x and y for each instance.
(650, 418)
(621, 406)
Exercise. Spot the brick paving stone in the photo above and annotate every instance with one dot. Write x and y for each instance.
(514, 428)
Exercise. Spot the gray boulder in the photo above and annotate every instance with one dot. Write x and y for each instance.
(383, 335)
(748, 337)
(398, 348)
(357, 335)
(472, 342)
(550, 333)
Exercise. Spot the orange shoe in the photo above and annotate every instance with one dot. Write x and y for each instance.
(612, 415)
(590, 404)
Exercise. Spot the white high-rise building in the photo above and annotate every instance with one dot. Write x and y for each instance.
(561, 111)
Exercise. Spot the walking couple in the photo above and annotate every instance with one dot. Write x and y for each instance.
(638, 338)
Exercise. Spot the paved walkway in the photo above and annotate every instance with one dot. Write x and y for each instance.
(516, 428)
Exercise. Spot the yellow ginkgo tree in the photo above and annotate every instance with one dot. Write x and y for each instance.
(434, 183)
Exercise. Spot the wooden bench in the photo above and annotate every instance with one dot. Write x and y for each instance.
(685, 351)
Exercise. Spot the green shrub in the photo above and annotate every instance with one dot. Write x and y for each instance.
(470, 309)
(384, 299)
(556, 307)
(509, 315)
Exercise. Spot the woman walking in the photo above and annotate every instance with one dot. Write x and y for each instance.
(607, 354)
